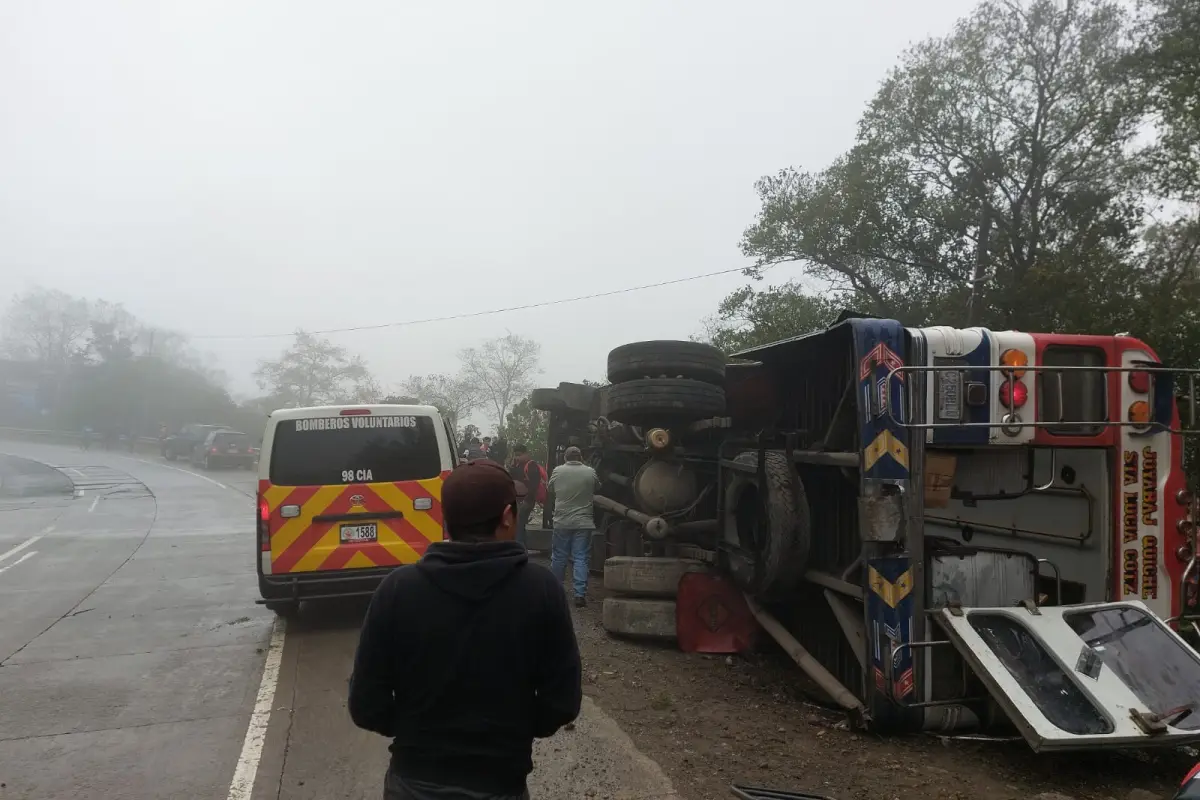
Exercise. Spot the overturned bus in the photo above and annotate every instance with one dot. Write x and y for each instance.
(959, 528)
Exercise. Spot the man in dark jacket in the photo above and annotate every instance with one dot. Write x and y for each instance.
(467, 656)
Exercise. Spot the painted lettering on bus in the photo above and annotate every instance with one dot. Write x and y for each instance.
(1129, 518)
(1149, 567)
(1149, 486)
(1129, 573)
(1131, 467)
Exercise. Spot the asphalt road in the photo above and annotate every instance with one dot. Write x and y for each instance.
(134, 662)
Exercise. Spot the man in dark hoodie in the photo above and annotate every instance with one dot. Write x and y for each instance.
(467, 656)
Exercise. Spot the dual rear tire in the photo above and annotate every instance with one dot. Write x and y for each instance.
(665, 382)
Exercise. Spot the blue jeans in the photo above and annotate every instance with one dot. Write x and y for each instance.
(576, 543)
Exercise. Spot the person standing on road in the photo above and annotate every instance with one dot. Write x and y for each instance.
(468, 655)
(574, 485)
(530, 473)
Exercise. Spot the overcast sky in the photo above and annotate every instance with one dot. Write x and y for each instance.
(253, 167)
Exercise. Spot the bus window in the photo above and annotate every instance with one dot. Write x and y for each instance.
(1083, 392)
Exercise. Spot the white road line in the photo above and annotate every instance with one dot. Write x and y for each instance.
(180, 469)
(7, 554)
(242, 786)
(92, 507)
(28, 555)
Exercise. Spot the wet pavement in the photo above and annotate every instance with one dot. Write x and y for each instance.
(134, 662)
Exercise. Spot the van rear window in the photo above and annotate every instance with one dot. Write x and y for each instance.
(365, 449)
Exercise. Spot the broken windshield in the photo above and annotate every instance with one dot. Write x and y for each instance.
(1048, 685)
(1143, 654)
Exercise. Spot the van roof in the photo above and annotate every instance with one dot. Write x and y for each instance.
(333, 411)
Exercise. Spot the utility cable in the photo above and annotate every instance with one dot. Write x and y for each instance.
(470, 314)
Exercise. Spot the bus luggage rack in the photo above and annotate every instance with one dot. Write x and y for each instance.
(955, 389)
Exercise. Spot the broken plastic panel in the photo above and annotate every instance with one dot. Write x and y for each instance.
(757, 793)
(1076, 677)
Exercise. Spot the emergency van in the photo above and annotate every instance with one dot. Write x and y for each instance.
(345, 495)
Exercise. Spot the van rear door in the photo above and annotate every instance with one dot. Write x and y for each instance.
(1106, 675)
(358, 490)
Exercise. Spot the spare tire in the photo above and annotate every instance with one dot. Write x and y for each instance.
(664, 400)
(667, 359)
(546, 400)
(767, 527)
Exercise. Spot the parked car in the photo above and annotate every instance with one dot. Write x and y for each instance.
(189, 437)
(224, 448)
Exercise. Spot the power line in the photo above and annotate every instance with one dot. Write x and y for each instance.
(468, 315)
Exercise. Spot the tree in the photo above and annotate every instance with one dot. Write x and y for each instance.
(314, 371)
(502, 369)
(454, 396)
(528, 426)
(115, 333)
(45, 325)
(1166, 69)
(989, 160)
(749, 317)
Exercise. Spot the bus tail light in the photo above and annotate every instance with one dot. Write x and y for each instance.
(1139, 412)
(1013, 393)
(1014, 359)
(1140, 382)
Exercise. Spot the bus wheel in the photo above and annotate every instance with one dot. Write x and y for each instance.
(671, 359)
(664, 400)
(767, 527)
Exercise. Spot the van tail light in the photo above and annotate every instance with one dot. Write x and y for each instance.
(264, 530)
(1013, 393)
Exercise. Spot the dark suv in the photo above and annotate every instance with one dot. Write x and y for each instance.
(189, 437)
(224, 448)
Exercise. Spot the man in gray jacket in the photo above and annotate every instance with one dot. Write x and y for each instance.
(574, 485)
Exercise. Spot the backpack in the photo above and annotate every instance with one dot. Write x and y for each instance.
(541, 491)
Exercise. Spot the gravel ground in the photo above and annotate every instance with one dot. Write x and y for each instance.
(710, 721)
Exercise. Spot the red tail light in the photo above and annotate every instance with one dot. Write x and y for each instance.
(1013, 394)
(1139, 382)
(214, 451)
(354, 412)
(264, 530)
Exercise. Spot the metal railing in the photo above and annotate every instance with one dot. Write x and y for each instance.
(1162, 380)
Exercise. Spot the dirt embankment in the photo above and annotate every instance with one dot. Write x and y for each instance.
(710, 721)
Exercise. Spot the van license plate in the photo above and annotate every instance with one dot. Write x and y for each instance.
(359, 533)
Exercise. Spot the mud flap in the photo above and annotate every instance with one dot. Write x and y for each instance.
(1105, 675)
(891, 667)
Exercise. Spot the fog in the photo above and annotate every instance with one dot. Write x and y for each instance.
(232, 168)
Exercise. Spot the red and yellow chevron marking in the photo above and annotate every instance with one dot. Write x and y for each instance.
(299, 544)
